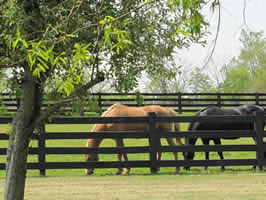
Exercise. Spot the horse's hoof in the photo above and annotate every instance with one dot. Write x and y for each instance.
(118, 172)
(88, 172)
(126, 173)
(222, 169)
(177, 171)
(187, 168)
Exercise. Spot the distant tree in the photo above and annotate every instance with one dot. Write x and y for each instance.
(237, 79)
(162, 82)
(199, 82)
(246, 73)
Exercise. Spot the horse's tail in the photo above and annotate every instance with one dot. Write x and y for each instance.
(176, 126)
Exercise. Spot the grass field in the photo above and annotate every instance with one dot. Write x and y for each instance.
(203, 186)
(234, 183)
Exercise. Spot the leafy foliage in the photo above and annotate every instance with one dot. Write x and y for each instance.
(73, 42)
(247, 72)
(200, 82)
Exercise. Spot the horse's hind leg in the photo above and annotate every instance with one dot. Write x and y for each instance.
(120, 143)
(206, 142)
(218, 142)
(172, 143)
(159, 156)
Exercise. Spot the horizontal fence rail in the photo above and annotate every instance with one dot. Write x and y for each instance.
(153, 136)
(180, 102)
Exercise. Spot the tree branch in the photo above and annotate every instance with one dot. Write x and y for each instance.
(13, 64)
(79, 91)
(216, 37)
(118, 18)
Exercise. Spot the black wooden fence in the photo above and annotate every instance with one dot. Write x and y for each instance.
(180, 102)
(153, 136)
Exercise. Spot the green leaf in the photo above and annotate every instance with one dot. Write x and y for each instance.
(43, 63)
(25, 44)
(15, 44)
(32, 61)
(70, 35)
(62, 60)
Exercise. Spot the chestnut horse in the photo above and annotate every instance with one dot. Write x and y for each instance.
(118, 110)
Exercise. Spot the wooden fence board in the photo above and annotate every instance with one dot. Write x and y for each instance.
(207, 148)
(102, 150)
(86, 135)
(101, 164)
(95, 120)
(208, 134)
(200, 163)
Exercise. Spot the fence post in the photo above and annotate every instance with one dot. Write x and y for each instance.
(41, 155)
(153, 142)
(179, 103)
(257, 99)
(259, 128)
(100, 101)
(219, 100)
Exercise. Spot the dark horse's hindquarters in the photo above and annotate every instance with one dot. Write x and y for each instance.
(213, 110)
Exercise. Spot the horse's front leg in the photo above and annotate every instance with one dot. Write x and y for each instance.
(172, 143)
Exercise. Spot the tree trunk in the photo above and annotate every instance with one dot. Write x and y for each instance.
(18, 148)
(16, 165)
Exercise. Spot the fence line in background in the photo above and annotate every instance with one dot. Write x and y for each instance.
(180, 102)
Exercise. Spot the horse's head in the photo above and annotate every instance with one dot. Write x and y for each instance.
(89, 158)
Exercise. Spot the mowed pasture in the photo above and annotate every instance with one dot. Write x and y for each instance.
(202, 186)
(234, 183)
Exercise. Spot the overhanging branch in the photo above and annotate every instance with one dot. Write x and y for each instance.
(72, 97)
(15, 64)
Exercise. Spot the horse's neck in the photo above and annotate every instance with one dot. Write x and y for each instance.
(95, 142)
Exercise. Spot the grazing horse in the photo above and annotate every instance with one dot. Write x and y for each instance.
(118, 110)
(213, 110)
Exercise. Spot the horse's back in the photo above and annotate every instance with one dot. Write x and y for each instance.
(119, 110)
(218, 111)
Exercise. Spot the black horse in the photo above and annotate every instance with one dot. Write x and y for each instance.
(213, 110)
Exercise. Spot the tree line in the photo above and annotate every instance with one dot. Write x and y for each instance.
(244, 73)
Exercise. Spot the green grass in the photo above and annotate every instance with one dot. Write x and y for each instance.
(203, 186)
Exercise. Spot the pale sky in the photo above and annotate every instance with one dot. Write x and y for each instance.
(232, 22)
